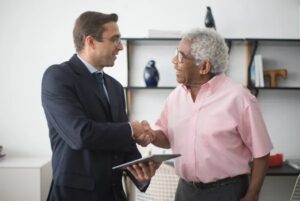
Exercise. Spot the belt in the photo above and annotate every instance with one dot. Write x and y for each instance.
(218, 183)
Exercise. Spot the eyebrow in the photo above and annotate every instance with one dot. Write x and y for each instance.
(182, 53)
(116, 36)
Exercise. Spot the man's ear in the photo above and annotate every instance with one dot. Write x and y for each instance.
(89, 41)
(205, 68)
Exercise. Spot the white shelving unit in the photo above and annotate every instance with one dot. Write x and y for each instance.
(24, 179)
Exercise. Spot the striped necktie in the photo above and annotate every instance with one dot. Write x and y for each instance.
(100, 82)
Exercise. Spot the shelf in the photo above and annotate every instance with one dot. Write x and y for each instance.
(255, 90)
(280, 48)
(284, 170)
(226, 39)
(172, 39)
(273, 40)
(276, 88)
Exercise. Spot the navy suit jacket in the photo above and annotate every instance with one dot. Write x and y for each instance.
(87, 139)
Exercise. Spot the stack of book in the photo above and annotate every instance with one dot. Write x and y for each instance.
(295, 163)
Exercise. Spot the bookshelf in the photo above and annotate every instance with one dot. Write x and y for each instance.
(277, 54)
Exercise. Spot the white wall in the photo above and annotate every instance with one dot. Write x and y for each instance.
(37, 33)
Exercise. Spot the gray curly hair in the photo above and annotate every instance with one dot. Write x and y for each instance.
(208, 45)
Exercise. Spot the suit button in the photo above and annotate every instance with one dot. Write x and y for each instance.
(116, 157)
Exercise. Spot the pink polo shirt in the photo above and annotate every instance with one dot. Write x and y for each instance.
(218, 134)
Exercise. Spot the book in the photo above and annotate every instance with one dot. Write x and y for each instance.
(154, 157)
(252, 75)
(295, 163)
(259, 74)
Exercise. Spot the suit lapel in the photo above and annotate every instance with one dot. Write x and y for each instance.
(114, 97)
(88, 79)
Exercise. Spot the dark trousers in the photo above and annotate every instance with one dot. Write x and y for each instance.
(231, 189)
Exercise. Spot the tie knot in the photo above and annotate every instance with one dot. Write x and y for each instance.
(99, 77)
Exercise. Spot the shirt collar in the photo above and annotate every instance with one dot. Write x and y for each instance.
(215, 82)
(90, 67)
(212, 84)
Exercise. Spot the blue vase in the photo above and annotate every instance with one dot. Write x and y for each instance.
(151, 75)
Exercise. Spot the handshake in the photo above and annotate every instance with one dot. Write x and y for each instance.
(142, 132)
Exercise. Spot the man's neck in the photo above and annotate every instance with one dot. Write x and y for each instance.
(88, 59)
(196, 85)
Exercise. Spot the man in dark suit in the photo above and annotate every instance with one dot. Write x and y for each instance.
(88, 126)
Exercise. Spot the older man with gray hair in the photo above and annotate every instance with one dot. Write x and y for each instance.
(214, 123)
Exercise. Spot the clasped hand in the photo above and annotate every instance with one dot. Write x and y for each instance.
(142, 133)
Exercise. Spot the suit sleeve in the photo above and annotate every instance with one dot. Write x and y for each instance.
(67, 116)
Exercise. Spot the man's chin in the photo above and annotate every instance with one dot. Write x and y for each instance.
(110, 65)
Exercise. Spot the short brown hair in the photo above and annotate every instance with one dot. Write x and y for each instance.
(90, 23)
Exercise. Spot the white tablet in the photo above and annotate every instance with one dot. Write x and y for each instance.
(154, 157)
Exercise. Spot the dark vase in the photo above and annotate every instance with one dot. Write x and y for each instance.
(151, 75)
(209, 19)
